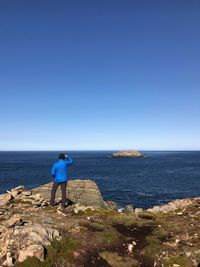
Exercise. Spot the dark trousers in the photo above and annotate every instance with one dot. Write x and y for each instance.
(53, 193)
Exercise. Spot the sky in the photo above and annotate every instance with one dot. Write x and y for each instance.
(99, 75)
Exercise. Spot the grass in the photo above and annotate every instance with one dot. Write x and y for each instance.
(181, 260)
(107, 237)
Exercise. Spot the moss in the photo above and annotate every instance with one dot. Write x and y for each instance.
(160, 233)
(30, 262)
(96, 227)
(153, 247)
(107, 237)
(181, 260)
(147, 215)
(124, 219)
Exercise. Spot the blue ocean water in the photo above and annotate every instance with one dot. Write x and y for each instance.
(159, 177)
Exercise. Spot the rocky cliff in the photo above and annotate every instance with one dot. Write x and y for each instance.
(94, 233)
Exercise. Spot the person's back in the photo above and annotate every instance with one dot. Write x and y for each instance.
(59, 172)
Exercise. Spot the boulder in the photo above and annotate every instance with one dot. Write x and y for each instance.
(138, 210)
(78, 208)
(128, 154)
(36, 234)
(3, 211)
(17, 190)
(111, 205)
(31, 251)
(15, 220)
(9, 260)
(85, 193)
(5, 199)
(26, 193)
(113, 259)
(129, 209)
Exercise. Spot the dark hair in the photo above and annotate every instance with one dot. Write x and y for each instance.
(61, 156)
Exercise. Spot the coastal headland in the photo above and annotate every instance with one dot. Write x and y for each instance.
(92, 232)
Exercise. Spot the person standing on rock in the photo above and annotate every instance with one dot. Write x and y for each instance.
(60, 175)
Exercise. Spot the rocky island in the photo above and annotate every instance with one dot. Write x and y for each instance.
(128, 154)
(91, 231)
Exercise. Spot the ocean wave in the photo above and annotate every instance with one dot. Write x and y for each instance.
(144, 194)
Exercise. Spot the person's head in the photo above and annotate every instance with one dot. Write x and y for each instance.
(62, 156)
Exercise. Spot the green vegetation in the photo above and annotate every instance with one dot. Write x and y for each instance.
(107, 237)
(180, 260)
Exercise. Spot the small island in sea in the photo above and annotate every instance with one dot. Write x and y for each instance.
(128, 154)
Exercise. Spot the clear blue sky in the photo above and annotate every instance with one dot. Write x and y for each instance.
(103, 74)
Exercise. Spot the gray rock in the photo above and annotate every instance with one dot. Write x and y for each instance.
(174, 205)
(17, 190)
(31, 251)
(26, 193)
(36, 234)
(3, 211)
(85, 193)
(129, 209)
(111, 205)
(15, 220)
(78, 208)
(9, 260)
(138, 210)
(5, 199)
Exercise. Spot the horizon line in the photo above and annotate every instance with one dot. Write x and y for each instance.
(85, 150)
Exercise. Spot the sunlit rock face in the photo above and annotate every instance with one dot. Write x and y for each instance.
(128, 154)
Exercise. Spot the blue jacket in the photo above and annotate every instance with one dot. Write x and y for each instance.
(60, 170)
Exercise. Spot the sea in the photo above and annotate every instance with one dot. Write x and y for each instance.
(159, 177)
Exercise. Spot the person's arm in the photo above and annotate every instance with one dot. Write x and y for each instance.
(69, 160)
(53, 170)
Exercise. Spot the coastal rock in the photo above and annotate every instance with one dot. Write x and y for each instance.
(36, 234)
(5, 199)
(174, 205)
(136, 240)
(138, 210)
(9, 260)
(128, 154)
(111, 205)
(114, 260)
(82, 208)
(17, 190)
(15, 220)
(31, 251)
(26, 193)
(85, 193)
(129, 209)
